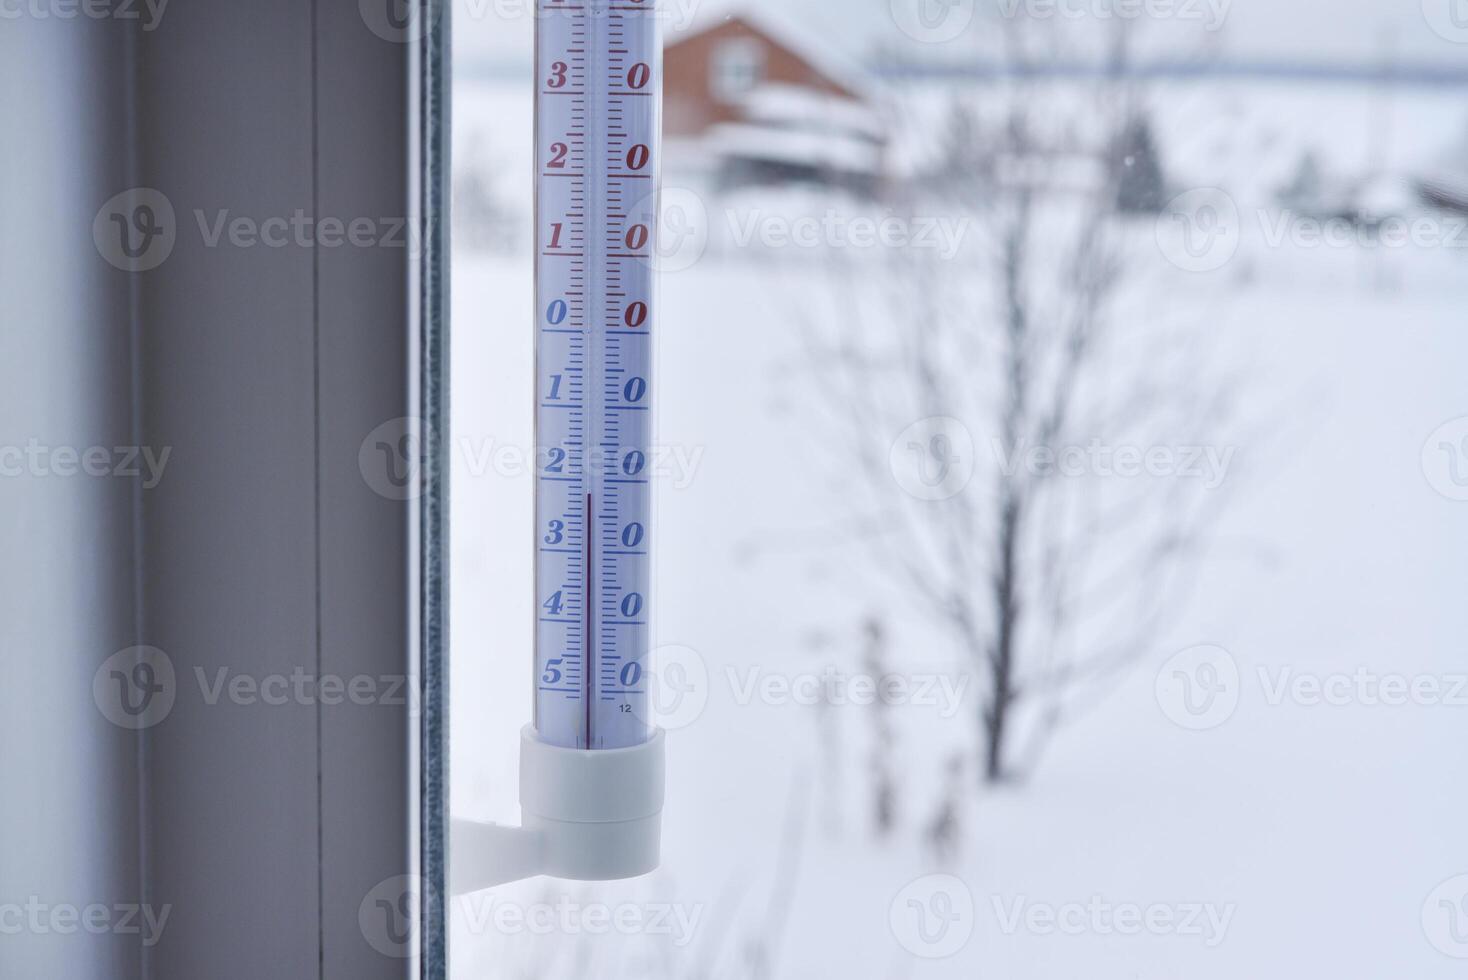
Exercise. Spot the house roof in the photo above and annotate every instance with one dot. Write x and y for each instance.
(844, 71)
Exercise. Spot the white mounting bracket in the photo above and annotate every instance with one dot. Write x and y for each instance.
(586, 815)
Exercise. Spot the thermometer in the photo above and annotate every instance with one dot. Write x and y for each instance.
(591, 765)
(598, 102)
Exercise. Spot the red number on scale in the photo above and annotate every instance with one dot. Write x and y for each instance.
(636, 315)
(555, 241)
(558, 74)
(558, 156)
(636, 237)
(638, 156)
(639, 76)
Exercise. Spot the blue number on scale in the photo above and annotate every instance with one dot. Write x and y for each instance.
(634, 390)
(633, 463)
(557, 457)
(557, 532)
(554, 605)
(556, 313)
(555, 392)
(552, 673)
(631, 604)
(632, 535)
(631, 674)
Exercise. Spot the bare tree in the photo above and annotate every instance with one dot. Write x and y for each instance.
(1048, 338)
(884, 737)
(942, 833)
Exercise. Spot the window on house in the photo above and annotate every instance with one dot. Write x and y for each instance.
(738, 66)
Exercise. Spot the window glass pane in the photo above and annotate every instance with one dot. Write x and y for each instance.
(1061, 462)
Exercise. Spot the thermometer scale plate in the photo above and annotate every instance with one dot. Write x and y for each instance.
(598, 95)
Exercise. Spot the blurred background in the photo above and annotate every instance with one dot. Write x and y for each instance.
(1063, 473)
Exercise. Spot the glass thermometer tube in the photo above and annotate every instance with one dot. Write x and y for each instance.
(598, 126)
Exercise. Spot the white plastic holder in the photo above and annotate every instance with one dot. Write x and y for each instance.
(586, 815)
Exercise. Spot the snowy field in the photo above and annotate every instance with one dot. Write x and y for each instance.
(1295, 835)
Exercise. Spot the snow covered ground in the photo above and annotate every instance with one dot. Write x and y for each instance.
(1271, 833)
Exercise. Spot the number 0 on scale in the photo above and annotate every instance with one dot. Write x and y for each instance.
(598, 125)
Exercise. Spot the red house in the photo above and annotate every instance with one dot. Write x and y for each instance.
(756, 103)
